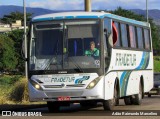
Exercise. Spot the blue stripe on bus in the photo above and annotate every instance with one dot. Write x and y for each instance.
(139, 67)
(69, 17)
(65, 17)
(43, 19)
(142, 61)
(86, 17)
(143, 65)
(122, 77)
(58, 17)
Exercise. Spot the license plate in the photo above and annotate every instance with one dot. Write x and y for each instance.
(64, 98)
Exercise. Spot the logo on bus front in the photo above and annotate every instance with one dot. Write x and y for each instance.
(63, 79)
(76, 80)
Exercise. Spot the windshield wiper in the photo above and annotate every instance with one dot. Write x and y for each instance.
(78, 68)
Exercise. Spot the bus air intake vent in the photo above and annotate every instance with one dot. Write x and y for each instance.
(53, 86)
(56, 94)
(76, 85)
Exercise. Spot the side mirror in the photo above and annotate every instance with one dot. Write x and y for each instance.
(109, 37)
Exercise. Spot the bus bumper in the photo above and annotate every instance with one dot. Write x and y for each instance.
(97, 93)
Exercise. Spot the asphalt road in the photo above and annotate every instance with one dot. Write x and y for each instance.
(149, 106)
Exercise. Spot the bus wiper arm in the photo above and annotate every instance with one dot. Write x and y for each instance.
(78, 68)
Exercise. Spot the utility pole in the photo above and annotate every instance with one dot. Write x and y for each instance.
(25, 38)
(87, 5)
(147, 10)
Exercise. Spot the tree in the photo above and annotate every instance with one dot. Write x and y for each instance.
(16, 36)
(13, 16)
(8, 59)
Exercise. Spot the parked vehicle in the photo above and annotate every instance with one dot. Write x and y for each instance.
(156, 89)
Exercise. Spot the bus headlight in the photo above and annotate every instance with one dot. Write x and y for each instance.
(36, 85)
(93, 83)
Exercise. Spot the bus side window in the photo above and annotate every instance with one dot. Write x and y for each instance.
(118, 41)
(147, 39)
(140, 38)
(132, 36)
(124, 35)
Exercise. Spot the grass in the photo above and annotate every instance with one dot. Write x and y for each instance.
(156, 63)
(19, 92)
(14, 90)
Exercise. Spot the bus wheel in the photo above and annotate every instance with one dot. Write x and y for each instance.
(128, 100)
(149, 95)
(109, 104)
(137, 100)
(53, 106)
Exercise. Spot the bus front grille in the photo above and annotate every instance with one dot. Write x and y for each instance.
(53, 86)
(76, 85)
(56, 94)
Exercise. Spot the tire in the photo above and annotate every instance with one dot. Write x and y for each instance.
(53, 106)
(149, 95)
(116, 97)
(128, 100)
(110, 104)
(137, 100)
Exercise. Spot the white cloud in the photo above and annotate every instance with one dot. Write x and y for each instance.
(58, 4)
(96, 4)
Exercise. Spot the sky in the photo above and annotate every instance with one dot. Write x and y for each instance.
(79, 4)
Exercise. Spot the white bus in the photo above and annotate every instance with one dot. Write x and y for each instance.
(89, 57)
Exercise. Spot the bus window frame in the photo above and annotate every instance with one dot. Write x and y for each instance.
(126, 34)
(119, 32)
(142, 38)
(135, 27)
(149, 36)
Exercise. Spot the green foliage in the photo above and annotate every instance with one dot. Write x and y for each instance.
(9, 80)
(8, 60)
(157, 64)
(13, 16)
(17, 36)
(129, 14)
(155, 36)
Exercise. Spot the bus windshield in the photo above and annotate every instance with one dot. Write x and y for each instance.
(65, 45)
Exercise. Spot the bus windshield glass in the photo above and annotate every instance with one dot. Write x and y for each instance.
(65, 45)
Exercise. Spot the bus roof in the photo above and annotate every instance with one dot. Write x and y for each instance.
(85, 15)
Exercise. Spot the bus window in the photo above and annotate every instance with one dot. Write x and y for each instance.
(140, 38)
(114, 33)
(132, 36)
(147, 39)
(124, 35)
(118, 43)
(107, 30)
